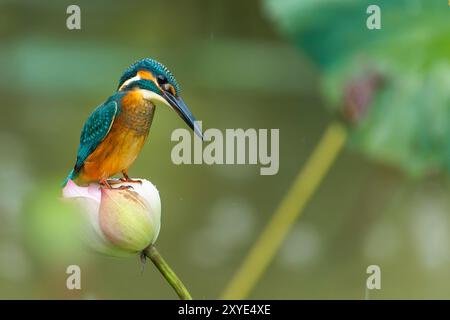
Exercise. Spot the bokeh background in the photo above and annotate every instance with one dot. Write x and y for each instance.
(292, 65)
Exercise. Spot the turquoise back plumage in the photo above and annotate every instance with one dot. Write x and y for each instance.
(95, 130)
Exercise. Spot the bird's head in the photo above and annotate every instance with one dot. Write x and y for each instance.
(157, 84)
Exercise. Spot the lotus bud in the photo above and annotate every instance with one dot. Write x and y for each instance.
(118, 221)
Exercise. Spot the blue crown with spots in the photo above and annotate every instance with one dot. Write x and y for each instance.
(155, 67)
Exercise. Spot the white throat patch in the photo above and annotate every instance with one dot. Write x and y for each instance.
(153, 97)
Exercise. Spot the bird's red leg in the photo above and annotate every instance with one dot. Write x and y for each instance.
(126, 178)
(107, 184)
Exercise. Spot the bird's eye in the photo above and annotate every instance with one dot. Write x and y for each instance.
(165, 85)
(162, 80)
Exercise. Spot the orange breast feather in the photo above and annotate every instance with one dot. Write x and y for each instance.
(122, 145)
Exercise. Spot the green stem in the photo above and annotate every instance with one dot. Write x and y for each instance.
(167, 272)
(305, 185)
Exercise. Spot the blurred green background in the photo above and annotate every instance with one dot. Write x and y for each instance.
(241, 64)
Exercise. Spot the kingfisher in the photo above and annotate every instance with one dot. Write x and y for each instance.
(115, 132)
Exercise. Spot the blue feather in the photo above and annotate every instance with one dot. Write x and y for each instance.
(155, 67)
(95, 129)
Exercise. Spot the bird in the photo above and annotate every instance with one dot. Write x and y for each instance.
(113, 135)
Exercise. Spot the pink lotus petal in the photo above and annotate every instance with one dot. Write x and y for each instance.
(72, 190)
(95, 191)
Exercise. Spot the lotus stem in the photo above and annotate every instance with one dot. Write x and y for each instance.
(303, 188)
(167, 272)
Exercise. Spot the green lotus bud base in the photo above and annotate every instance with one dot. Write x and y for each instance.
(122, 222)
(170, 276)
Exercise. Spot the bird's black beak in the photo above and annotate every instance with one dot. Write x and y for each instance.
(183, 111)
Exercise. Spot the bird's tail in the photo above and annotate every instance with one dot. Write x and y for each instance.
(71, 176)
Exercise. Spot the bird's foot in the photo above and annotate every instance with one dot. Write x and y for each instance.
(126, 178)
(107, 184)
(127, 187)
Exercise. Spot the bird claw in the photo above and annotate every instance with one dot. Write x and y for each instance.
(127, 187)
(130, 180)
(107, 184)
